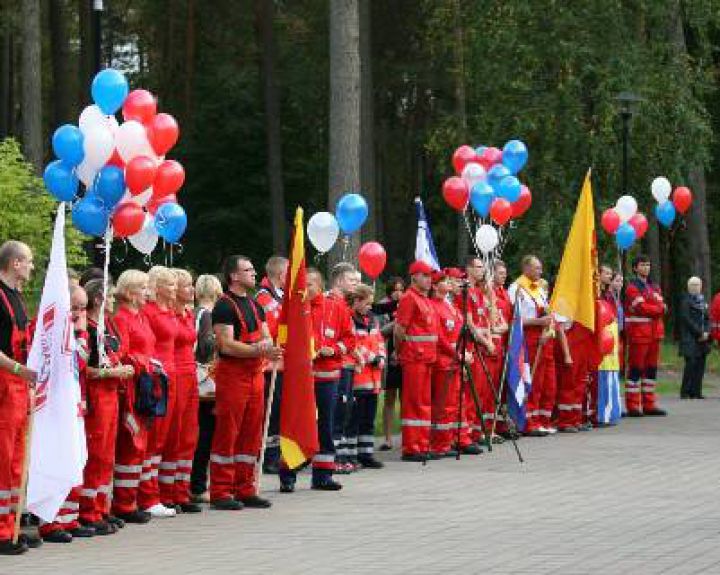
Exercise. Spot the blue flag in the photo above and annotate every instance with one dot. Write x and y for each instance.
(518, 372)
(424, 245)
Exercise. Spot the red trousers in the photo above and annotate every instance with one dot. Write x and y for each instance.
(101, 427)
(573, 382)
(415, 407)
(642, 371)
(487, 403)
(590, 399)
(155, 469)
(130, 450)
(541, 401)
(239, 408)
(444, 410)
(14, 405)
(181, 441)
(66, 518)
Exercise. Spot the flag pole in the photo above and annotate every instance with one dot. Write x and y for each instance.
(504, 373)
(22, 495)
(266, 426)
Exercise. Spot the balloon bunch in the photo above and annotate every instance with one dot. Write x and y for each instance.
(486, 179)
(324, 228)
(624, 222)
(667, 209)
(605, 317)
(127, 181)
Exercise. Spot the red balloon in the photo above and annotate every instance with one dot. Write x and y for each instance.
(169, 178)
(456, 193)
(605, 314)
(610, 221)
(640, 223)
(156, 202)
(461, 157)
(127, 219)
(607, 342)
(163, 133)
(682, 199)
(116, 160)
(522, 204)
(140, 105)
(501, 211)
(140, 174)
(372, 258)
(491, 156)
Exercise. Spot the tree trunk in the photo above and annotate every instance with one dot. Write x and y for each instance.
(264, 22)
(6, 82)
(463, 245)
(61, 96)
(87, 47)
(189, 60)
(698, 230)
(31, 84)
(367, 124)
(344, 164)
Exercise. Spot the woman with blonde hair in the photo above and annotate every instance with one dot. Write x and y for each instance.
(137, 350)
(207, 291)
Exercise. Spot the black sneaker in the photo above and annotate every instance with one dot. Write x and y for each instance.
(327, 485)
(7, 547)
(228, 504)
(385, 447)
(58, 536)
(270, 468)
(287, 487)
(472, 449)
(136, 516)
(633, 413)
(102, 528)
(371, 463)
(31, 540)
(657, 412)
(83, 531)
(190, 508)
(415, 457)
(450, 453)
(256, 502)
(116, 521)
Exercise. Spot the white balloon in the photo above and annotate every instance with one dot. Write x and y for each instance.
(147, 238)
(86, 173)
(98, 145)
(323, 230)
(91, 116)
(131, 141)
(626, 207)
(473, 173)
(661, 188)
(486, 238)
(143, 198)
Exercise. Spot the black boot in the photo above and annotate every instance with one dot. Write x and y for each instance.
(190, 508)
(136, 516)
(371, 463)
(656, 412)
(228, 504)
(7, 547)
(58, 536)
(254, 501)
(327, 485)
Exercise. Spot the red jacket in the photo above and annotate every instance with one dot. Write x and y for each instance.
(270, 299)
(450, 322)
(164, 324)
(185, 343)
(369, 354)
(644, 310)
(715, 317)
(416, 314)
(138, 339)
(333, 328)
(503, 303)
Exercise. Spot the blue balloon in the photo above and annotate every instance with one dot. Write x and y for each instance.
(351, 212)
(625, 236)
(89, 215)
(515, 156)
(665, 213)
(496, 174)
(61, 181)
(170, 221)
(481, 198)
(509, 188)
(67, 143)
(109, 90)
(110, 186)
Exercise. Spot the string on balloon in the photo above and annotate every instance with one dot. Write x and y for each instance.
(345, 247)
(470, 232)
(102, 356)
(147, 260)
(121, 258)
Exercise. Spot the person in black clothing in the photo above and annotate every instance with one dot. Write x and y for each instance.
(393, 375)
(694, 323)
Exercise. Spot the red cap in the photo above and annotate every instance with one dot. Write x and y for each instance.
(439, 275)
(456, 273)
(420, 267)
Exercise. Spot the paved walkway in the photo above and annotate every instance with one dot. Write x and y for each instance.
(640, 498)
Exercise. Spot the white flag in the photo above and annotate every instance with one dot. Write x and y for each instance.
(58, 450)
(424, 245)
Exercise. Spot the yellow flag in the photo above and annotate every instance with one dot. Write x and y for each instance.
(576, 285)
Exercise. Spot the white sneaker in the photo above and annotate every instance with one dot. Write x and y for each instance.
(551, 430)
(159, 510)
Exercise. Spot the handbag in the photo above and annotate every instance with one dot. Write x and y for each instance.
(151, 392)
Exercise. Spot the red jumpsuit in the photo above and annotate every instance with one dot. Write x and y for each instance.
(446, 380)
(101, 426)
(239, 400)
(715, 317)
(14, 406)
(644, 329)
(573, 380)
(137, 350)
(505, 307)
(417, 353)
(183, 432)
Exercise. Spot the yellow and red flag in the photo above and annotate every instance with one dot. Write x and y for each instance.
(298, 427)
(576, 286)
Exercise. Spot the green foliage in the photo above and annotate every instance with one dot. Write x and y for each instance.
(28, 212)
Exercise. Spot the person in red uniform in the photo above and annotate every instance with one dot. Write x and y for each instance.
(334, 341)
(538, 330)
(244, 345)
(715, 318)
(504, 307)
(158, 467)
(101, 415)
(183, 430)
(137, 350)
(270, 296)
(416, 337)
(644, 330)
(16, 265)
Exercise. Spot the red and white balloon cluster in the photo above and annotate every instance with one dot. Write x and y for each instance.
(624, 222)
(667, 208)
(128, 182)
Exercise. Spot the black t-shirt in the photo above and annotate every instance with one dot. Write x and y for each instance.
(112, 342)
(21, 320)
(224, 313)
